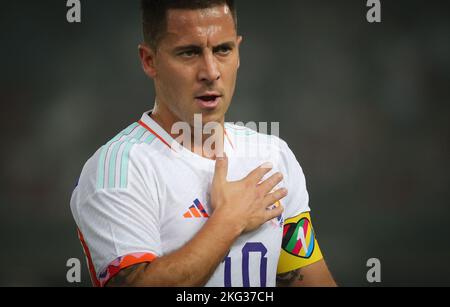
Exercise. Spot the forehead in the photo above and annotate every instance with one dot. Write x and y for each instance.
(198, 25)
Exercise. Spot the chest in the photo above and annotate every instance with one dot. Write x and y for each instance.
(185, 206)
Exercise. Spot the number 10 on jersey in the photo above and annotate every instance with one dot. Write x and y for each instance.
(252, 247)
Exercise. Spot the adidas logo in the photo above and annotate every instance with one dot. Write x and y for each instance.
(196, 211)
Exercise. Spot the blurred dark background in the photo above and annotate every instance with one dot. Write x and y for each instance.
(364, 106)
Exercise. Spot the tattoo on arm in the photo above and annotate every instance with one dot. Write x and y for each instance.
(126, 277)
(287, 279)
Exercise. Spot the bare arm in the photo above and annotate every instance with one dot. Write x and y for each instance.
(314, 275)
(239, 207)
(192, 265)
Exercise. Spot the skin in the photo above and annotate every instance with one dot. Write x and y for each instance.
(314, 275)
(200, 52)
(239, 207)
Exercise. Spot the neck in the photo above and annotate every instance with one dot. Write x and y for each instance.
(192, 135)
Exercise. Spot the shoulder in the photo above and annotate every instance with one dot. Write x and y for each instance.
(256, 140)
(114, 159)
(256, 135)
(122, 159)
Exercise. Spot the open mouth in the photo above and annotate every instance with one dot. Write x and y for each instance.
(208, 101)
(208, 98)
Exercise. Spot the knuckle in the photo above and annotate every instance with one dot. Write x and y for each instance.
(273, 198)
(254, 173)
(281, 193)
(276, 178)
(279, 176)
(246, 181)
(278, 194)
(260, 194)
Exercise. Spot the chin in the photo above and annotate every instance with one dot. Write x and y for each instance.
(209, 117)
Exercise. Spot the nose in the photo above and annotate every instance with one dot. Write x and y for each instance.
(209, 72)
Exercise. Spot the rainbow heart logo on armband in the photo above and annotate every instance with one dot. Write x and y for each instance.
(298, 238)
(299, 247)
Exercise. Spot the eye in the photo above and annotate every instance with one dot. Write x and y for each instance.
(188, 53)
(223, 50)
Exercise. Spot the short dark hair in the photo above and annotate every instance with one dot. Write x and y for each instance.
(154, 15)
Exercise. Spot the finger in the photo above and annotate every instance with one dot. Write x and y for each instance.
(270, 183)
(274, 213)
(221, 169)
(257, 175)
(219, 150)
(274, 197)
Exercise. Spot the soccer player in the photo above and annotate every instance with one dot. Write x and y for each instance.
(155, 210)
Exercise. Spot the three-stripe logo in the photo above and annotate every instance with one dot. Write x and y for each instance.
(196, 211)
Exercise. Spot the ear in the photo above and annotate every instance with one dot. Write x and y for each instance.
(147, 56)
(239, 41)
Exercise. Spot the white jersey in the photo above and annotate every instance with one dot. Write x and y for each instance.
(138, 198)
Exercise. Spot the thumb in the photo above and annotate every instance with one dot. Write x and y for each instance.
(221, 169)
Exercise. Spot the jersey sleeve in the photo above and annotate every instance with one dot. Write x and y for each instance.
(297, 200)
(299, 245)
(118, 225)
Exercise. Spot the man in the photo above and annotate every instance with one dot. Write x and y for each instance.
(151, 212)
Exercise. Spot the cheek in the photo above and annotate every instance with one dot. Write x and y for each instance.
(174, 78)
(230, 74)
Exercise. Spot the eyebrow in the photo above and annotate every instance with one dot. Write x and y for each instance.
(197, 47)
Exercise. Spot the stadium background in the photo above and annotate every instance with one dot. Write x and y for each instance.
(364, 106)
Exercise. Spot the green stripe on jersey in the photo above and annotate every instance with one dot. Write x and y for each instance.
(115, 148)
(125, 160)
(104, 151)
(117, 165)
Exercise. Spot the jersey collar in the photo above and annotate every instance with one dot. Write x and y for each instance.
(153, 127)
